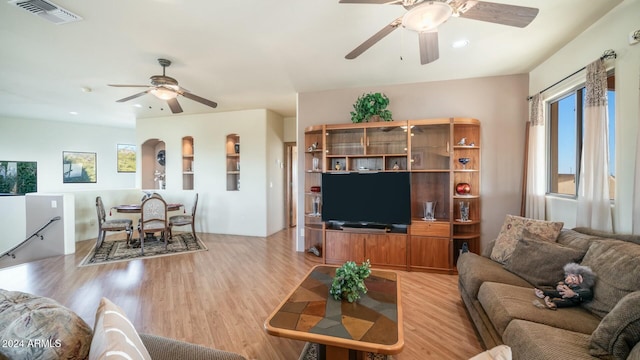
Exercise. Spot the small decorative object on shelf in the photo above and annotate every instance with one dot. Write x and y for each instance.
(315, 189)
(316, 206)
(159, 177)
(464, 211)
(370, 105)
(429, 210)
(462, 142)
(313, 147)
(396, 166)
(316, 163)
(463, 189)
(464, 161)
(338, 166)
(348, 284)
(236, 148)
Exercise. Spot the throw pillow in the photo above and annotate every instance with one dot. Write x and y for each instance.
(114, 334)
(511, 232)
(619, 331)
(37, 327)
(541, 262)
(617, 265)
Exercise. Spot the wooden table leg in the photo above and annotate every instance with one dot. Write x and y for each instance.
(338, 353)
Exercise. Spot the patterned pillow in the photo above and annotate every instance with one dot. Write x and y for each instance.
(114, 334)
(619, 331)
(37, 327)
(511, 232)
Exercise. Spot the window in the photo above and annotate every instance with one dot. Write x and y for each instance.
(565, 140)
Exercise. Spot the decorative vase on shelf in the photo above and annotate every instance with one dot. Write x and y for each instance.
(464, 211)
(429, 208)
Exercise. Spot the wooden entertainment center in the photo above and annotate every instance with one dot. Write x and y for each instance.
(430, 150)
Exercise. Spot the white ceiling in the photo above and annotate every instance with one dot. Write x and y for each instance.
(247, 54)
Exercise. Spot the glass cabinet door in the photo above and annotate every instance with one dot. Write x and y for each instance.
(345, 142)
(386, 140)
(430, 147)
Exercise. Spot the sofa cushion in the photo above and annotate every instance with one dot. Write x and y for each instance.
(533, 341)
(619, 331)
(616, 264)
(541, 262)
(115, 334)
(606, 235)
(576, 240)
(474, 270)
(511, 232)
(40, 328)
(504, 303)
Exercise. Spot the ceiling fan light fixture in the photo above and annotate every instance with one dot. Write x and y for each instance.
(163, 93)
(427, 16)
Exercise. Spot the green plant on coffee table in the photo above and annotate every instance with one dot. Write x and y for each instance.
(368, 105)
(349, 281)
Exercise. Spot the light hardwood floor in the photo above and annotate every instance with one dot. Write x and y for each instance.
(220, 298)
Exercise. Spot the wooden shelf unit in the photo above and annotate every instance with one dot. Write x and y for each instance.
(232, 147)
(187, 163)
(429, 149)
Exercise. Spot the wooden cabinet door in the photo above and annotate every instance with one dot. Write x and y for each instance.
(387, 250)
(344, 246)
(432, 253)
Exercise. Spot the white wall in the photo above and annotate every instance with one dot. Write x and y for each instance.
(610, 32)
(220, 211)
(498, 102)
(44, 142)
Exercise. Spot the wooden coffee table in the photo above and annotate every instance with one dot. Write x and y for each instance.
(344, 330)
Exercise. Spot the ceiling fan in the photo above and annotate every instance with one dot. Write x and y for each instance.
(424, 17)
(166, 88)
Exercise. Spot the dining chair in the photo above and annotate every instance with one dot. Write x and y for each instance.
(185, 219)
(153, 219)
(111, 225)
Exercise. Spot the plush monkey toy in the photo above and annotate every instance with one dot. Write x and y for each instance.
(574, 290)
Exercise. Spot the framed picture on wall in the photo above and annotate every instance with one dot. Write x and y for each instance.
(126, 158)
(79, 167)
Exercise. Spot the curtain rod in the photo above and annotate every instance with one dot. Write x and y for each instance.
(608, 54)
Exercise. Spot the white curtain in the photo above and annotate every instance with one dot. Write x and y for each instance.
(594, 209)
(636, 197)
(536, 162)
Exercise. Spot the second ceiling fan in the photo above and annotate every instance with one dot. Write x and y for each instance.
(424, 17)
(166, 88)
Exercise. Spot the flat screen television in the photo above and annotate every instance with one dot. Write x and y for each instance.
(376, 197)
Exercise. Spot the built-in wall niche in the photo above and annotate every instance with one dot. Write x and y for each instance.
(153, 165)
(233, 162)
(187, 163)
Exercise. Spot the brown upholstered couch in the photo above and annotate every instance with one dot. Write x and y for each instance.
(500, 302)
(34, 327)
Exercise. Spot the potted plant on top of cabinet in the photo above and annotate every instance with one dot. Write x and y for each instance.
(371, 107)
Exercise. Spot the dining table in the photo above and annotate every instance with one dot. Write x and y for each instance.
(135, 208)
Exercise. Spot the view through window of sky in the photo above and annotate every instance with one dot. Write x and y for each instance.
(567, 134)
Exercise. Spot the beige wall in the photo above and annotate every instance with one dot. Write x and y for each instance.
(610, 32)
(498, 102)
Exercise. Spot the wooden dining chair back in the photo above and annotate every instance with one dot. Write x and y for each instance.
(105, 225)
(185, 219)
(153, 219)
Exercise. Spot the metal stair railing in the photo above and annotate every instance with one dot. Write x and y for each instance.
(11, 252)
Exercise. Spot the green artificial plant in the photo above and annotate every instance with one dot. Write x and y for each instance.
(368, 105)
(349, 281)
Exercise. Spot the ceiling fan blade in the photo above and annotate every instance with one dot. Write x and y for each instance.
(380, 2)
(133, 96)
(429, 51)
(174, 106)
(512, 15)
(374, 39)
(199, 99)
(128, 85)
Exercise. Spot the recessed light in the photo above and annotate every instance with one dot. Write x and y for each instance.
(460, 43)
(73, 112)
(137, 105)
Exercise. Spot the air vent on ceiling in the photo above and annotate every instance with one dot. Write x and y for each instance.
(47, 10)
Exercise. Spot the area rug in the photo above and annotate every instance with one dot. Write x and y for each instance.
(311, 351)
(117, 250)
